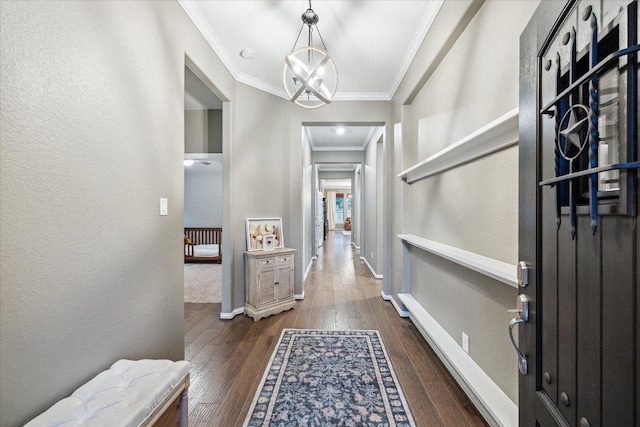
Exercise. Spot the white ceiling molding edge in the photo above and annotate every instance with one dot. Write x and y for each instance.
(340, 148)
(362, 96)
(260, 85)
(425, 24)
(209, 35)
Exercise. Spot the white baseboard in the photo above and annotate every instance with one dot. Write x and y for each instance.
(401, 312)
(299, 296)
(376, 275)
(306, 273)
(494, 405)
(227, 316)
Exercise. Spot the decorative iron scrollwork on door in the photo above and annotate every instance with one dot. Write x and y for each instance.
(595, 113)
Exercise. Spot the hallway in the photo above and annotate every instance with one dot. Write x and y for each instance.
(228, 357)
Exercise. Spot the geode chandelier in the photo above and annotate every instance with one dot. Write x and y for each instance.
(310, 74)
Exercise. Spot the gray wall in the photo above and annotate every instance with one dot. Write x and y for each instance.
(92, 137)
(259, 186)
(356, 211)
(203, 131)
(369, 248)
(381, 197)
(473, 206)
(309, 202)
(203, 194)
(196, 131)
(214, 128)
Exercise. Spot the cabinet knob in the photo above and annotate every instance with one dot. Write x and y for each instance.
(277, 283)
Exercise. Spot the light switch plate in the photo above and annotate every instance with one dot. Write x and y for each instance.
(164, 206)
(465, 342)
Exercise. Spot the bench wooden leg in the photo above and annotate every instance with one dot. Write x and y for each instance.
(184, 408)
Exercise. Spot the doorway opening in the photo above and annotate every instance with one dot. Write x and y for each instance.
(203, 192)
(347, 181)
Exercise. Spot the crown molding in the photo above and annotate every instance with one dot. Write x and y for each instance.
(191, 9)
(209, 35)
(260, 85)
(362, 96)
(425, 24)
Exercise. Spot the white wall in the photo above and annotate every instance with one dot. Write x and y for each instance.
(474, 206)
(92, 119)
(203, 194)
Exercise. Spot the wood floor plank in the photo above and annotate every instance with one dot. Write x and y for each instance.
(229, 356)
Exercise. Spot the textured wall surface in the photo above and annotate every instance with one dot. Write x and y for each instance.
(473, 206)
(92, 117)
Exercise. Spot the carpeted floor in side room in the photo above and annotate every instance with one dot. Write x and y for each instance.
(203, 283)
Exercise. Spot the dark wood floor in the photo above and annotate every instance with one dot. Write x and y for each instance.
(229, 356)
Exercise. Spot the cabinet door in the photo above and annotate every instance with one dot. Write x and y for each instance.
(266, 289)
(284, 283)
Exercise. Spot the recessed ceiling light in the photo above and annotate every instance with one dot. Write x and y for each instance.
(248, 53)
(188, 163)
(340, 131)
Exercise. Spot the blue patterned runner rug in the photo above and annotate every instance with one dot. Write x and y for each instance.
(329, 378)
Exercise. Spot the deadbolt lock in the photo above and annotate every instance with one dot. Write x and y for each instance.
(523, 274)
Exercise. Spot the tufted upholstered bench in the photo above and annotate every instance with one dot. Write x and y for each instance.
(130, 393)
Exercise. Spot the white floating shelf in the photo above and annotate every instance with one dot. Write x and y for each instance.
(495, 136)
(498, 270)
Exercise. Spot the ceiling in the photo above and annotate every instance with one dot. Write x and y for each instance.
(372, 42)
(341, 138)
(358, 35)
(337, 167)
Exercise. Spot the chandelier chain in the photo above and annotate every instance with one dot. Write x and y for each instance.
(298, 38)
(321, 39)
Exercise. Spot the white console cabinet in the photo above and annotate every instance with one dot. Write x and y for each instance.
(269, 282)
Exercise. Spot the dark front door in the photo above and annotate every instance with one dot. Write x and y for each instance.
(579, 235)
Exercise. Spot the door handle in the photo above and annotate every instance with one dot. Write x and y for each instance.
(522, 359)
(522, 313)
